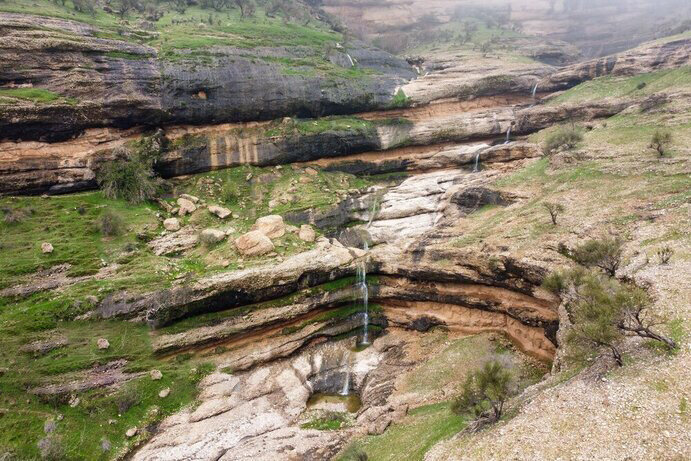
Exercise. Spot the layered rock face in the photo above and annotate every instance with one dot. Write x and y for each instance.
(107, 82)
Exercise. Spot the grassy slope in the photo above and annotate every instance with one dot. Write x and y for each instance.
(451, 360)
(70, 224)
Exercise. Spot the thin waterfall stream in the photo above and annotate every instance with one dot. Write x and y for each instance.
(508, 135)
(361, 284)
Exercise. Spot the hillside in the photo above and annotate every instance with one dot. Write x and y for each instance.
(233, 231)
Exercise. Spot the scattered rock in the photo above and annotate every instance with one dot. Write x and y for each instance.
(46, 248)
(212, 236)
(44, 346)
(292, 229)
(254, 243)
(221, 212)
(74, 401)
(177, 242)
(156, 375)
(131, 432)
(186, 207)
(307, 233)
(105, 445)
(311, 171)
(164, 393)
(272, 226)
(49, 426)
(191, 198)
(172, 224)
(103, 343)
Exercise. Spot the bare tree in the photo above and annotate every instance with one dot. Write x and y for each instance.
(554, 210)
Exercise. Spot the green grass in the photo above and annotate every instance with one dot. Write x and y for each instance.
(410, 439)
(35, 95)
(85, 425)
(320, 125)
(618, 87)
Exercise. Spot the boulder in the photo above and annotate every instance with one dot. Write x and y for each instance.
(131, 432)
(212, 236)
(307, 233)
(172, 224)
(46, 248)
(219, 211)
(272, 226)
(254, 243)
(186, 206)
(164, 393)
(191, 198)
(175, 243)
(156, 375)
(103, 343)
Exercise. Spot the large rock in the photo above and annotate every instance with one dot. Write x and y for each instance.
(271, 226)
(254, 243)
(219, 211)
(172, 224)
(212, 236)
(186, 206)
(175, 243)
(307, 233)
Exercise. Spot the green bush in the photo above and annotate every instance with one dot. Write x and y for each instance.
(483, 390)
(602, 311)
(605, 254)
(661, 141)
(111, 224)
(567, 136)
(129, 177)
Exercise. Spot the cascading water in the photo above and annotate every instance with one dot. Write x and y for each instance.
(508, 136)
(361, 283)
(345, 390)
(477, 163)
(534, 92)
(352, 63)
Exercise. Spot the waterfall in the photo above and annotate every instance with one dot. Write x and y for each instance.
(508, 135)
(345, 390)
(477, 163)
(534, 92)
(352, 63)
(361, 283)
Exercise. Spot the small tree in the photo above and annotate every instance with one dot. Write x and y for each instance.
(247, 7)
(554, 210)
(602, 311)
(484, 392)
(661, 141)
(605, 254)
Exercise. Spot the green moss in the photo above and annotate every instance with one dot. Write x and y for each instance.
(35, 95)
(125, 55)
(400, 100)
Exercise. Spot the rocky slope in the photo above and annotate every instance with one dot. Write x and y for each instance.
(205, 326)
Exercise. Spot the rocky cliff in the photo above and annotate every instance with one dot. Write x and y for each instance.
(103, 82)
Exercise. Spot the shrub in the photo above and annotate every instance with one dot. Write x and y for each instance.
(128, 398)
(665, 255)
(605, 254)
(15, 215)
(51, 448)
(484, 390)
(111, 224)
(130, 178)
(661, 141)
(554, 210)
(567, 136)
(602, 311)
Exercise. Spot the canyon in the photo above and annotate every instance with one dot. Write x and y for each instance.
(394, 212)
